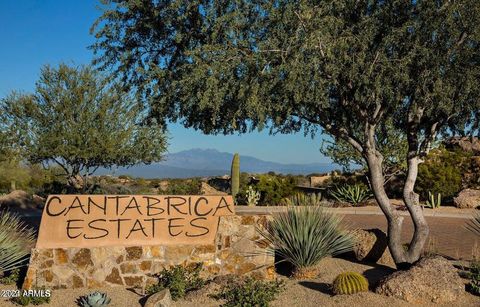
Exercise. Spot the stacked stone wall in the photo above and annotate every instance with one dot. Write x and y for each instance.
(238, 249)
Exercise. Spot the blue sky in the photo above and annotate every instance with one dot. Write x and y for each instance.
(38, 32)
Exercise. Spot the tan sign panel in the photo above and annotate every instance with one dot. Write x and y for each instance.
(127, 220)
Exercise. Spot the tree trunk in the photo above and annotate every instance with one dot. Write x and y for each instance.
(402, 258)
(412, 202)
(394, 220)
(76, 182)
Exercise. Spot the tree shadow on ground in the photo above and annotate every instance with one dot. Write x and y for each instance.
(376, 274)
(317, 286)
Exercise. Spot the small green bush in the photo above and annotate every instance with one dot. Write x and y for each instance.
(442, 173)
(179, 279)
(474, 275)
(11, 278)
(249, 292)
(353, 194)
(349, 283)
(26, 299)
(305, 235)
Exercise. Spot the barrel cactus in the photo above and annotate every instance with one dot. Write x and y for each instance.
(94, 299)
(350, 283)
(235, 175)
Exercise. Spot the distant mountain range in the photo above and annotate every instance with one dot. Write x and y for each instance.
(211, 162)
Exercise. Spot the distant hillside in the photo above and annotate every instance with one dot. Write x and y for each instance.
(211, 162)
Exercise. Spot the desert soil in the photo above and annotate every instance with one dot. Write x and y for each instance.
(314, 292)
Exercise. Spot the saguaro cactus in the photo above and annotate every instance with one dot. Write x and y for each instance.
(235, 175)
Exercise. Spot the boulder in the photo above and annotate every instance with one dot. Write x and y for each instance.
(467, 199)
(467, 144)
(21, 201)
(371, 245)
(159, 299)
(207, 189)
(432, 279)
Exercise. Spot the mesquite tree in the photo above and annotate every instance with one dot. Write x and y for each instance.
(79, 121)
(347, 68)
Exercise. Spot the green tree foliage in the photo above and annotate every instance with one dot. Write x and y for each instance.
(347, 68)
(392, 143)
(442, 173)
(79, 122)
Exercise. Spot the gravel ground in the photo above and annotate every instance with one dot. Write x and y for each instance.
(317, 292)
(304, 293)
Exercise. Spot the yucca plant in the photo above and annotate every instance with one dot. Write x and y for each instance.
(353, 194)
(16, 240)
(302, 199)
(303, 236)
(434, 201)
(474, 224)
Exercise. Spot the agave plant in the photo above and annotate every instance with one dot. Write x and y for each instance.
(16, 240)
(354, 194)
(94, 299)
(303, 236)
(302, 199)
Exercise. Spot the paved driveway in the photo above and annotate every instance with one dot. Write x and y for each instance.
(448, 236)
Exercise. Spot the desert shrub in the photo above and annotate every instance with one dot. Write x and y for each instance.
(474, 276)
(184, 187)
(180, 279)
(249, 292)
(353, 194)
(349, 283)
(13, 172)
(274, 189)
(305, 235)
(11, 278)
(442, 173)
(94, 299)
(114, 189)
(16, 239)
(25, 298)
(27, 177)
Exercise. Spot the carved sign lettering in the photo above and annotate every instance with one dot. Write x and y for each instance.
(126, 220)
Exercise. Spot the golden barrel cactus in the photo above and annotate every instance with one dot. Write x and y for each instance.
(349, 283)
